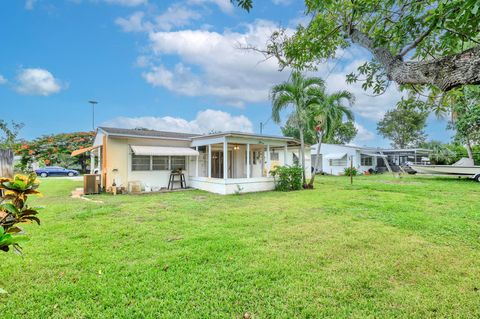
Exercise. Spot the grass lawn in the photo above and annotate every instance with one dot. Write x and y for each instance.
(383, 248)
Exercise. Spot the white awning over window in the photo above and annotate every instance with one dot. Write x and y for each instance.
(373, 154)
(163, 151)
(335, 156)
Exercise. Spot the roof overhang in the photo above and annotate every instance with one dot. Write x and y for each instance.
(373, 154)
(335, 156)
(84, 150)
(163, 151)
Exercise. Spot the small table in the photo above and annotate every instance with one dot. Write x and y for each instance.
(171, 181)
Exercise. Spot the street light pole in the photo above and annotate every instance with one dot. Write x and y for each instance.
(93, 112)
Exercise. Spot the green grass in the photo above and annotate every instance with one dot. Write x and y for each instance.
(380, 248)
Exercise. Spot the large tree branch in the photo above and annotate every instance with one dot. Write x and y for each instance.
(445, 73)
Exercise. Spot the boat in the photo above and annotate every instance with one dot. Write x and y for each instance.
(464, 167)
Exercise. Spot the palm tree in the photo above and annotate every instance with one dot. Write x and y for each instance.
(326, 117)
(301, 93)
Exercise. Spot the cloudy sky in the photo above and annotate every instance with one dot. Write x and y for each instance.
(167, 65)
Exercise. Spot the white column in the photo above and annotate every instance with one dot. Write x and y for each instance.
(92, 162)
(99, 159)
(209, 161)
(268, 160)
(285, 155)
(196, 163)
(248, 160)
(225, 159)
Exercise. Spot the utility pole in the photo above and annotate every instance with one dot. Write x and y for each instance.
(261, 128)
(92, 102)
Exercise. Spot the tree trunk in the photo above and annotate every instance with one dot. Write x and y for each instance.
(445, 73)
(6, 163)
(302, 155)
(315, 166)
(469, 149)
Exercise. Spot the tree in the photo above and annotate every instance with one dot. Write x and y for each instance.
(327, 117)
(57, 149)
(10, 133)
(301, 93)
(433, 43)
(344, 133)
(403, 126)
(466, 117)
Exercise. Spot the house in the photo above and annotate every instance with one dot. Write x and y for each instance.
(221, 163)
(334, 158)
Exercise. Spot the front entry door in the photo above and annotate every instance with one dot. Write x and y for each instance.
(217, 164)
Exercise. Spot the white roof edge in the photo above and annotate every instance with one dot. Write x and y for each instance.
(163, 150)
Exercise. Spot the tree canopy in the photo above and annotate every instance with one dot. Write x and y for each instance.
(403, 126)
(56, 150)
(433, 43)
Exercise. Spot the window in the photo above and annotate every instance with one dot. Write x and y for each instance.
(274, 156)
(366, 160)
(178, 162)
(140, 162)
(295, 159)
(160, 163)
(339, 162)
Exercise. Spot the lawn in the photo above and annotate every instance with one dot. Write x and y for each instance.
(382, 247)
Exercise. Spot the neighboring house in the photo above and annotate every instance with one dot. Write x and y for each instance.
(220, 163)
(335, 158)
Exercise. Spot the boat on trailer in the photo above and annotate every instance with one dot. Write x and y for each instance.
(464, 167)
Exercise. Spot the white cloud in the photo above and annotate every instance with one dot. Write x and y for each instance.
(205, 121)
(29, 4)
(3, 80)
(37, 82)
(175, 16)
(225, 71)
(224, 5)
(133, 23)
(363, 134)
(127, 3)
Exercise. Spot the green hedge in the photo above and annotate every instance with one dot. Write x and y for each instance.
(287, 178)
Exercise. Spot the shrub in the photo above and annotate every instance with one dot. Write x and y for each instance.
(14, 210)
(287, 178)
(350, 171)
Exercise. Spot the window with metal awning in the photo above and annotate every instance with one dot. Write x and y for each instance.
(160, 158)
(163, 151)
(335, 156)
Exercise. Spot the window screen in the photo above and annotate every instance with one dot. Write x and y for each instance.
(178, 162)
(274, 156)
(339, 162)
(140, 162)
(160, 163)
(366, 160)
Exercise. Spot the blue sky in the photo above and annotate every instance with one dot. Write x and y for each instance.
(169, 65)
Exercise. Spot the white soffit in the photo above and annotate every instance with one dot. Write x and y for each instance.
(335, 155)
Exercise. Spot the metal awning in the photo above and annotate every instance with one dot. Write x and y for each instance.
(373, 154)
(84, 150)
(335, 156)
(163, 151)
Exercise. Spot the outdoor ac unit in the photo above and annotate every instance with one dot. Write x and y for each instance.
(91, 183)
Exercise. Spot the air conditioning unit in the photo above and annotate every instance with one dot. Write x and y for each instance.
(91, 183)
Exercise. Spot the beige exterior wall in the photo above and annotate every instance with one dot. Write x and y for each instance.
(119, 158)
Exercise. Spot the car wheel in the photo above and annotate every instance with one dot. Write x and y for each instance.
(71, 174)
(477, 178)
(44, 174)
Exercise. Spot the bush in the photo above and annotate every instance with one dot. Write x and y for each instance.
(350, 171)
(14, 210)
(287, 178)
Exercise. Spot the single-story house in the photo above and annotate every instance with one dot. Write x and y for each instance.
(334, 158)
(221, 163)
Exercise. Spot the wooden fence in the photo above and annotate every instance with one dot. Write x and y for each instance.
(6, 163)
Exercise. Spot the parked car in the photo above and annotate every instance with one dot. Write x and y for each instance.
(55, 171)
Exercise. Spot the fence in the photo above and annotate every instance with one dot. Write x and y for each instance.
(6, 163)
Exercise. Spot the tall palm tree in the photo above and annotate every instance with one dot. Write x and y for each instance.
(326, 117)
(301, 93)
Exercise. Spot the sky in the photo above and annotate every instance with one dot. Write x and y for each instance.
(166, 65)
